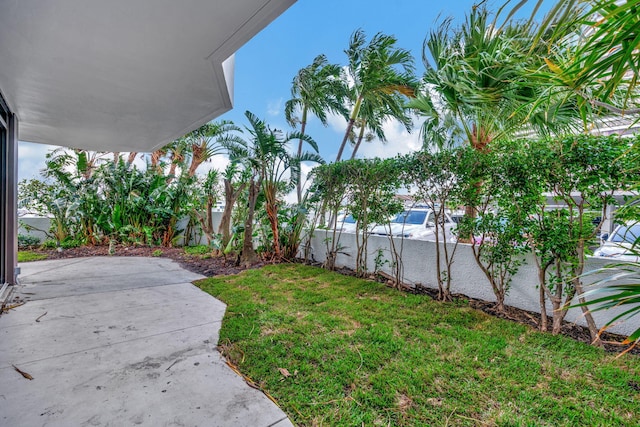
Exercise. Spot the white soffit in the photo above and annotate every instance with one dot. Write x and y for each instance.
(122, 75)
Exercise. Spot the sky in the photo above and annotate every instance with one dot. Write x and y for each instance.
(266, 65)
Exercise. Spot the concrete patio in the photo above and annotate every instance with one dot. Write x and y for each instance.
(115, 341)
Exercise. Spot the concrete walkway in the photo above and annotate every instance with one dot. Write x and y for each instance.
(115, 341)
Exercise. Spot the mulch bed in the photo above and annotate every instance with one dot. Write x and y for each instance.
(210, 266)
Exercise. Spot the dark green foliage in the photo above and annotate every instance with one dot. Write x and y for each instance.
(27, 241)
(139, 206)
(366, 188)
(436, 175)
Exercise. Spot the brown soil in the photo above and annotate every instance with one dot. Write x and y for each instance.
(209, 266)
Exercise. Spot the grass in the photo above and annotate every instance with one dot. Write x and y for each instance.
(26, 256)
(203, 251)
(338, 351)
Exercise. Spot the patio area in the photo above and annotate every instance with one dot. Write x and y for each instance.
(120, 341)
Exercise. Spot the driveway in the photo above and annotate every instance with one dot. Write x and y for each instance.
(118, 341)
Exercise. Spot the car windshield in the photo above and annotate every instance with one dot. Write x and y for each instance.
(628, 234)
(410, 217)
(349, 219)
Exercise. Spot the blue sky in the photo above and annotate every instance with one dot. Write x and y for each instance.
(266, 65)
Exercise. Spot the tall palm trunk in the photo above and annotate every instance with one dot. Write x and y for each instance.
(172, 169)
(249, 256)
(272, 214)
(303, 126)
(230, 196)
(360, 136)
(479, 139)
(352, 120)
(155, 160)
(197, 158)
(131, 157)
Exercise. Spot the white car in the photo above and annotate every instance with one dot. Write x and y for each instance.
(414, 224)
(346, 224)
(621, 244)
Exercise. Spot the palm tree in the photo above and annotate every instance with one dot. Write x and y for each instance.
(373, 115)
(602, 69)
(155, 161)
(361, 131)
(266, 155)
(319, 88)
(476, 81)
(235, 182)
(603, 43)
(131, 157)
(378, 72)
(177, 151)
(200, 142)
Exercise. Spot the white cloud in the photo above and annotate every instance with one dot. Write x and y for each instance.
(399, 141)
(274, 108)
(31, 158)
(305, 169)
(337, 123)
(218, 163)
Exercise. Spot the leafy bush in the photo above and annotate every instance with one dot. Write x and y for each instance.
(69, 243)
(49, 244)
(27, 241)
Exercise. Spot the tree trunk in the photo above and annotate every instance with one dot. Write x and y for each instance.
(172, 172)
(344, 140)
(352, 120)
(542, 282)
(249, 255)
(271, 206)
(556, 302)
(303, 126)
(230, 197)
(155, 160)
(194, 166)
(272, 214)
(577, 285)
(206, 221)
(500, 296)
(225, 222)
(132, 157)
(442, 294)
(360, 136)
(591, 323)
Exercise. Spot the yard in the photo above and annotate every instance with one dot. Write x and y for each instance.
(333, 350)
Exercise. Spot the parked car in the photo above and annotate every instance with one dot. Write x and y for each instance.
(414, 224)
(621, 243)
(346, 223)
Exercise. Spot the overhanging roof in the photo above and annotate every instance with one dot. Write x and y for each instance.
(122, 75)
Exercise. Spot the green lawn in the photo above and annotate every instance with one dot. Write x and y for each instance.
(359, 353)
(26, 256)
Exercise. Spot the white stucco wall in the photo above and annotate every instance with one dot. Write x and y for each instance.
(40, 226)
(419, 267)
(197, 237)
